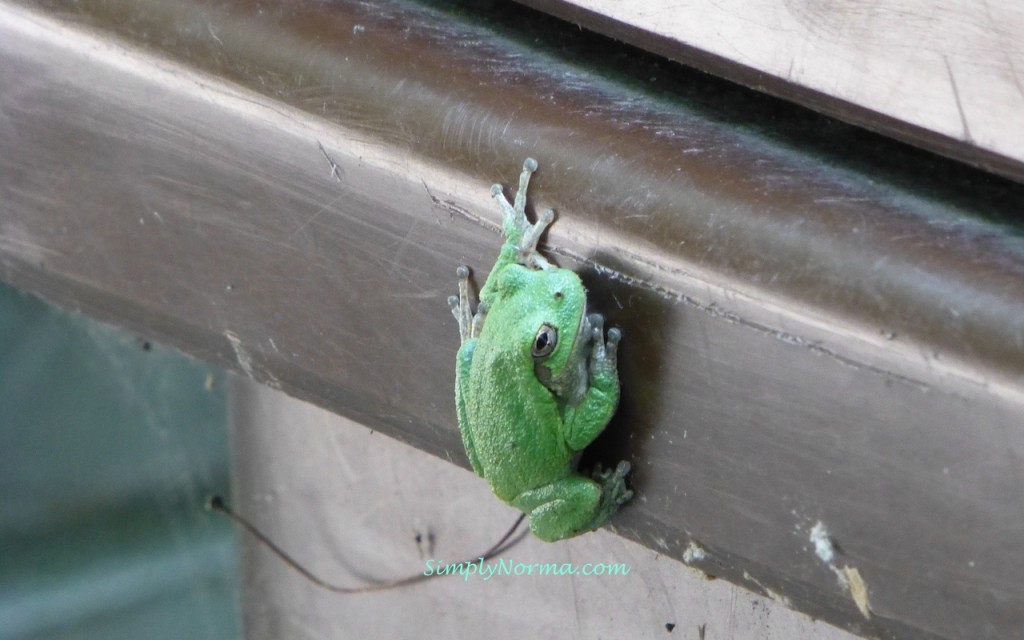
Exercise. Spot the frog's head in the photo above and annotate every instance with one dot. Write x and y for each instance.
(560, 339)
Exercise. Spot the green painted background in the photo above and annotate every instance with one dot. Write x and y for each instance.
(109, 446)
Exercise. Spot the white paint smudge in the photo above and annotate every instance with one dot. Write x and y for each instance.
(848, 576)
(241, 354)
(822, 544)
(693, 553)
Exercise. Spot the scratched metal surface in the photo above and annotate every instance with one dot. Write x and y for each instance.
(819, 326)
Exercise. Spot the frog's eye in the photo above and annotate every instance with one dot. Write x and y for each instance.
(544, 343)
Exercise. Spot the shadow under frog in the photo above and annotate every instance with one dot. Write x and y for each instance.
(642, 315)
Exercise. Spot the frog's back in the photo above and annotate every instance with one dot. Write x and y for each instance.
(518, 441)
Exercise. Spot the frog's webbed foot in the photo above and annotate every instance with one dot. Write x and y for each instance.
(520, 233)
(613, 494)
(613, 486)
(469, 323)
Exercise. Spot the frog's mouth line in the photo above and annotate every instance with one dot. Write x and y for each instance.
(571, 385)
(582, 331)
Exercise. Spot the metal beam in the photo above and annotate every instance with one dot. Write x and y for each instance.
(819, 326)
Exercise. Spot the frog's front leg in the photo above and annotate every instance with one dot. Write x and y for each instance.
(574, 504)
(469, 323)
(469, 330)
(522, 237)
(587, 420)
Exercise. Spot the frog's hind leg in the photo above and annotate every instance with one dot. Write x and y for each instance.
(614, 492)
(567, 507)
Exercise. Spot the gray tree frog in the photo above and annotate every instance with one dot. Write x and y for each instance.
(536, 382)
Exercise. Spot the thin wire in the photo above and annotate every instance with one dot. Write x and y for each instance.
(216, 503)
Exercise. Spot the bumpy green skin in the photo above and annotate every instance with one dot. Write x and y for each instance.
(525, 409)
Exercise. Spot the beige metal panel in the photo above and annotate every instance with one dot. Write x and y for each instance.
(350, 503)
(945, 74)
